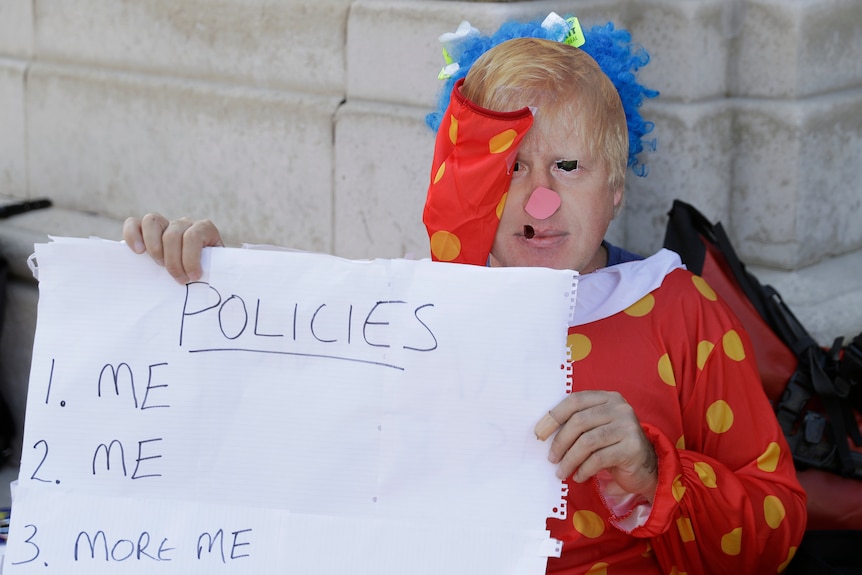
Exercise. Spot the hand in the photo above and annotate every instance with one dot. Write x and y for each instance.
(177, 245)
(599, 430)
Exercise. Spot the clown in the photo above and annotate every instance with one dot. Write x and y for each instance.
(664, 440)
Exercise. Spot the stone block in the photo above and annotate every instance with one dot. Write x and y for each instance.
(616, 233)
(257, 162)
(796, 192)
(383, 159)
(286, 44)
(692, 162)
(826, 297)
(795, 48)
(393, 52)
(688, 44)
(16, 28)
(13, 134)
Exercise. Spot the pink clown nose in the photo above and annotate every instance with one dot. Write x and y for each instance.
(543, 203)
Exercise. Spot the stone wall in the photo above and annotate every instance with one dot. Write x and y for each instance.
(302, 124)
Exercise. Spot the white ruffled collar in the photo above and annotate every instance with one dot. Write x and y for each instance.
(610, 290)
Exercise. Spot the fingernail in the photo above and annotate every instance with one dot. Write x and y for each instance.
(138, 247)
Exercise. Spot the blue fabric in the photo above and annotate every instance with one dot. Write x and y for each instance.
(619, 255)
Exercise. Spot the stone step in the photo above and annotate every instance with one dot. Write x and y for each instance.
(121, 143)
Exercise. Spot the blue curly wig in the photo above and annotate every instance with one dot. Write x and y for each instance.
(612, 49)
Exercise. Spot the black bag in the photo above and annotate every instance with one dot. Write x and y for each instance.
(7, 426)
(7, 433)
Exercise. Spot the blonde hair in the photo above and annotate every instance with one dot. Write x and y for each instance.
(563, 82)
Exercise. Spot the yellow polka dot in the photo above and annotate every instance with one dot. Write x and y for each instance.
(453, 130)
(773, 511)
(501, 204)
(733, 346)
(706, 473)
(665, 370)
(588, 523)
(641, 307)
(704, 348)
(445, 246)
(580, 345)
(703, 288)
(680, 443)
(686, 532)
(719, 416)
(600, 568)
(768, 460)
(440, 171)
(677, 488)
(502, 141)
(731, 543)
(790, 554)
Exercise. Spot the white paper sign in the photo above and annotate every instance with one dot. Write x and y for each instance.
(289, 413)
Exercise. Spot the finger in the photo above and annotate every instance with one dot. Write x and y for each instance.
(589, 416)
(579, 401)
(546, 427)
(199, 235)
(173, 246)
(577, 448)
(596, 449)
(132, 235)
(152, 228)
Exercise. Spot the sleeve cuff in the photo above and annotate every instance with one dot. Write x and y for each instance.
(632, 513)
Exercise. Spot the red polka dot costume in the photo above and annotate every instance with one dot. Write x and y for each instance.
(727, 499)
(727, 487)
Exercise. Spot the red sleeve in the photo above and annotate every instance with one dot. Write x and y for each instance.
(728, 500)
